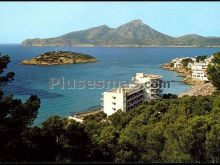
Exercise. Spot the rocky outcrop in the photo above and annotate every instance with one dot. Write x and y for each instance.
(59, 58)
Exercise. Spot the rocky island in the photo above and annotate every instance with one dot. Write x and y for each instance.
(59, 58)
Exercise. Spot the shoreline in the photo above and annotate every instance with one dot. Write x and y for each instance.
(198, 87)
(117, 46)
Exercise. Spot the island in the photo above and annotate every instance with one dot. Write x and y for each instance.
(59, 58)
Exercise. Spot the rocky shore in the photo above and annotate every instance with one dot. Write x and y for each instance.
(199, 88)
(59, 58)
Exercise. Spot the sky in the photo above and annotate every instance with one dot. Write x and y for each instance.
(22, 20)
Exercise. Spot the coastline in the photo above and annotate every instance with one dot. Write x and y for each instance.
(120, 46)
(198, 87)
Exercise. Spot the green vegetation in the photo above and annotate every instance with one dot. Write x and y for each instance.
(60, 57)
(185, 129)
(186, 61)
(171, 64)
(214, 71)
(201, 58)
(4, 60)
(169, 96)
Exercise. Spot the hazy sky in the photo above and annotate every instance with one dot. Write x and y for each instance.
(22, 20)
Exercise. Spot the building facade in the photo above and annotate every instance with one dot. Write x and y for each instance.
(199, 66)
(200, 74)
(152, 85)
(199, 69)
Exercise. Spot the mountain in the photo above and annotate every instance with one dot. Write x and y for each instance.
(132, 34)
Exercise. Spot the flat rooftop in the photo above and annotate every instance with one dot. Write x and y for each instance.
(129, 88)
(153, 76)
(200, 63)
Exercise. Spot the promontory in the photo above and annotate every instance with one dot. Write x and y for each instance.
(59, 58)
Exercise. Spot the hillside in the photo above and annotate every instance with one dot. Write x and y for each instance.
(58, 58)
(132, 34)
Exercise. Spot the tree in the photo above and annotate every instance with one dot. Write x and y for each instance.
(169, 96)
(4, 60)
(216, 58)
(15, 118)
(201, 58)
(70, 141)
(194, 137)
(213, 144)
(186, 61)
(213, 71)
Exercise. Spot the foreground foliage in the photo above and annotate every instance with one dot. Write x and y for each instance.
(214, 71)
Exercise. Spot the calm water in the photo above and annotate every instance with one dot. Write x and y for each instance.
(114, 64)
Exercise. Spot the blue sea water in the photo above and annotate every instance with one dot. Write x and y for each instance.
(114, 64)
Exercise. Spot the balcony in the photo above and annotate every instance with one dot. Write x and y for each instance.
(135, 96)
(136, 102)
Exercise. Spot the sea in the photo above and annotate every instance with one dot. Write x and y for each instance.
(72, 88)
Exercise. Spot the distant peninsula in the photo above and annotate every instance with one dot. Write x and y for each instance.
(131, 34)
(59, 58)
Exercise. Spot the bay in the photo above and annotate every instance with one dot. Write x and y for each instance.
(117, 64)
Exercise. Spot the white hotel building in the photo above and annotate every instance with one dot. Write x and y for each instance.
(144, 88)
